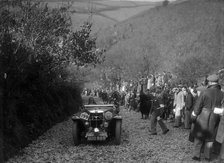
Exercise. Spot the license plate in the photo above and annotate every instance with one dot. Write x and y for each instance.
(84, 116)
(94, 138)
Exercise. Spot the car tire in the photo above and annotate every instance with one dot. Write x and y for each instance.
(118, 132)
(75, 133)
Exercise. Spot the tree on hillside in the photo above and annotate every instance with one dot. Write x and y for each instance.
(130, 63)
(47, 38)
(150, 58)
(192, 69)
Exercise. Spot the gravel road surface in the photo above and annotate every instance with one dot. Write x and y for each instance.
(56, 145)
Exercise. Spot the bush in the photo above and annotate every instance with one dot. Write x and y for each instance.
(33, 74)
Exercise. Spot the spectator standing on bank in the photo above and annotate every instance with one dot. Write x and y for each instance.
(132, 102)
(173, 95)
(196, 94)
(179, 104)
(123, 94)
(188, 107)
(205, 121)
(127, 96)
(167, 100)
(145, 104)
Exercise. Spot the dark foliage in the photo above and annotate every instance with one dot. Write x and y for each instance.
(37, 45)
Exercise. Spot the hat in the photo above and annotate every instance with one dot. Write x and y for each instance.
(213, 78)
(201, 88)
(180, 85)
(175, 88)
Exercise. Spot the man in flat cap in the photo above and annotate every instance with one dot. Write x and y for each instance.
(205, 120)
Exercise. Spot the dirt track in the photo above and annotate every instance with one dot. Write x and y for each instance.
(136, 146)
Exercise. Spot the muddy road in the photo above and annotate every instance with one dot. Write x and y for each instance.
(56, 145)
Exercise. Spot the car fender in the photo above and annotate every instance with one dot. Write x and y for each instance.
(76, 118)
(118, 117)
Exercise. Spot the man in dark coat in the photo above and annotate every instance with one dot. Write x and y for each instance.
(187, 108)
(157, 110)
(145, 104)
(167, 101)
(206, 122)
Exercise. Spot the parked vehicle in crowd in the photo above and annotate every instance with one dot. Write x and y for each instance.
(97, 123)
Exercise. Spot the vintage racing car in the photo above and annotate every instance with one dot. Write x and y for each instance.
(97, 123)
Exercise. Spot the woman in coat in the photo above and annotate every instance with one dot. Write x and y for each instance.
(145, 104)
(206, 122)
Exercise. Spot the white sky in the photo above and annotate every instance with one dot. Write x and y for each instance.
(144, 0)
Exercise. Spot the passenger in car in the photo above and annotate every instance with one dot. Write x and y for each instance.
(91, 101)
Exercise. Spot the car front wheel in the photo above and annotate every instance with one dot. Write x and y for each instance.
(118, 132)
(75, 133)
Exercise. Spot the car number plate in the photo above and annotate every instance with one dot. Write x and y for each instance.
(84, 116)
(94, 138)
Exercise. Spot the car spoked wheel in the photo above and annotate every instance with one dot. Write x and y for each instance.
(75, 133)
(118, 132)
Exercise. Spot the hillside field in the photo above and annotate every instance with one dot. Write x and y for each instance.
(102, 13)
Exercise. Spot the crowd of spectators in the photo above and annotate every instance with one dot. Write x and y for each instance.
(188, 107)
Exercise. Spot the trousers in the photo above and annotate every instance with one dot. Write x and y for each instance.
(187, 117)
(222, 152)
(200, 145)
(156, 118)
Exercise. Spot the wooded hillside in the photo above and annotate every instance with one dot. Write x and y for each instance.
(186, 39)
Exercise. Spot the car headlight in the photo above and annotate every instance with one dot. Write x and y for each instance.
(84, 116)
(108, 115)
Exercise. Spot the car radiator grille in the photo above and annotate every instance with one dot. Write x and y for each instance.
(96, 119)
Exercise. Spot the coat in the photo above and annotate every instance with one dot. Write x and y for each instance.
(189, 101)
(145, 103)
(206, 123)
(179, 103)
(220, 132)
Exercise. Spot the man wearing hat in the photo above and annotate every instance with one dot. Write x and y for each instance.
(205, 120)
(158, 105)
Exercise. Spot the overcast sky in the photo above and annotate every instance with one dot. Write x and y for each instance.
(144, 0)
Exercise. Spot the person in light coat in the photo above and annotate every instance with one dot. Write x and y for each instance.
(179, 104)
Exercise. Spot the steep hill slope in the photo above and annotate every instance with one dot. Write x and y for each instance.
(192, 30)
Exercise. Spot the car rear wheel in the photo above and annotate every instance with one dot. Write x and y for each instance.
(118, 132)
(75, 133)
